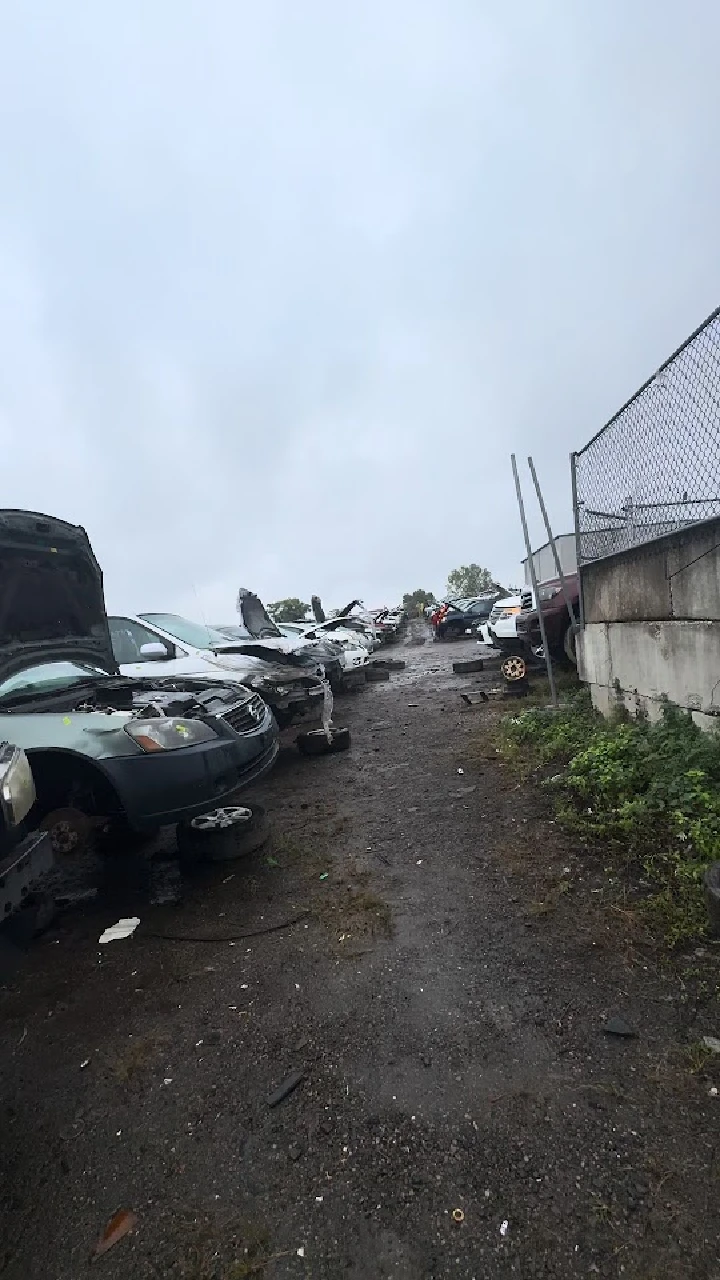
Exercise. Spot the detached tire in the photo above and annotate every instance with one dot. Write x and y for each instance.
(467, 666)
(316, 742)
(375, 675)
(234, 831)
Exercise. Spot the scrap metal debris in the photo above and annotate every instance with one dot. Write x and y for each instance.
(283, 1091)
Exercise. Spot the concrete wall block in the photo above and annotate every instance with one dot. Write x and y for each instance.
(693, 567)
(678, 661)
(627, 587)
(677, 576)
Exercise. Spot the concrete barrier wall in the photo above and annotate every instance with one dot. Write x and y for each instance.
(652, 630)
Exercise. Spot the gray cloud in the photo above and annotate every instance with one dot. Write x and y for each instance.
(282, 285)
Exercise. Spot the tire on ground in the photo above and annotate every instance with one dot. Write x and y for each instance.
(200, 843)
(316, 742)
(467, 666)
(569, 645)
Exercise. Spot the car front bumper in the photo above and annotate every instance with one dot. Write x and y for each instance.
(159, 788)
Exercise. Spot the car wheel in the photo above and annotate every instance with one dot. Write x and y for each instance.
(468, 665)
(233, 831)
(71, 831)
(316, 742)
(514, 669)
(375, 675)
(569, 645)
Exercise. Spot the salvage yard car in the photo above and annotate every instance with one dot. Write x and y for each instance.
(175, 646)
(25, 857)
(257, 635)
(559, 627)
(500, 630)
(134, 754)
(354, 657)
(464, 617)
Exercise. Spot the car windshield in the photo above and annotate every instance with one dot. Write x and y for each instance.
(48, 677)
(193, 633)
(235, 632)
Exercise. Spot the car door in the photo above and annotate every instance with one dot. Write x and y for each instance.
(129, 637)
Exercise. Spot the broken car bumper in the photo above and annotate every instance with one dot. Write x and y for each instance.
(165, 787)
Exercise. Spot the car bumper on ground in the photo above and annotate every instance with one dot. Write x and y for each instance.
(160, 788)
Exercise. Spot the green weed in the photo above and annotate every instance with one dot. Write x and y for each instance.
(650, 791)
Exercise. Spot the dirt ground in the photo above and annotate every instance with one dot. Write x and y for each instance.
(442, 988)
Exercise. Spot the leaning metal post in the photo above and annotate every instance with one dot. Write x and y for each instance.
(578, 541)
(558, 566)
(533, 579)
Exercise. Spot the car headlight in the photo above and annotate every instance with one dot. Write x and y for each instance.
(17, 788)
(167, 733)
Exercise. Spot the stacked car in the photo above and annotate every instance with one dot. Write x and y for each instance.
(114, 727)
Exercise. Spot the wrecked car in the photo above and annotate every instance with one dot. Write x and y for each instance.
(25, 857)
(352, 657)
(175, 646)
(256, 635)
(104, 749)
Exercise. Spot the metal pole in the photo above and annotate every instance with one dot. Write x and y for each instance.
(578, 540)
(533, 579)
(553, 544)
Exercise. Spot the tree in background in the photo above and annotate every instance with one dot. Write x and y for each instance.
(470, 580)
(292, 610)
(414, 601)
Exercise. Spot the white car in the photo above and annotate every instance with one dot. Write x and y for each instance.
(353, 654)
(165, 644)
(337, 629)
(258, 635)
(500, 630)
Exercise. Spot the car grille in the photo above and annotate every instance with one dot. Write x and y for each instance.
(246, 716)
(526, 601)
(495, 613)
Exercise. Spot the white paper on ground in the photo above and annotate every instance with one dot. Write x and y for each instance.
(122, 929)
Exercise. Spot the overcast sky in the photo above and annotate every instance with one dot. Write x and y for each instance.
(282, 284)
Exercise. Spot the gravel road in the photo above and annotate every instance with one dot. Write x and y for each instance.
(443, 990)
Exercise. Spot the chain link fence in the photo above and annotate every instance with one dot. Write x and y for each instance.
(655, 466)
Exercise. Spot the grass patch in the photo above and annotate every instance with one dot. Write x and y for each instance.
(649, 791)
(356, 913)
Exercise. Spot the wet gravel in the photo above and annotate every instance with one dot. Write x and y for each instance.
(442, 990)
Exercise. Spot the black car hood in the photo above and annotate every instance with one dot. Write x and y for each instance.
(52, 606)
(255, 617)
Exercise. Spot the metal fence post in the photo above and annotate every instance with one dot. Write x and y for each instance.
(533, 578)
(578, 541)
(553, 545)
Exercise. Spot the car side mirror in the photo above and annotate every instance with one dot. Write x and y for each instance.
(155, 651)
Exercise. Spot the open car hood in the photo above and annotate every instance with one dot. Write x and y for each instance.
(255, 617)
(52, 606)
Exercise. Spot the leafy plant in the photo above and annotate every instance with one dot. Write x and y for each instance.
(470, 580)
(651, 790)
(414, 601)
(290, 610)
